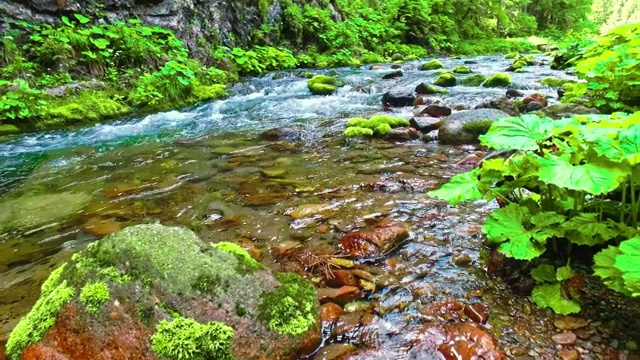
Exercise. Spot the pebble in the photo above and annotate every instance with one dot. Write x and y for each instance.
(570, 323)
(461, 259)
(518, 351)
(568, 338)
(569, 354)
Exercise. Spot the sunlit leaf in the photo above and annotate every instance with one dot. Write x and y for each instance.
(604, 267)
(629, 139)
(628, 262)
(586, 229)
(564, 273)
(594, 177)
(544, 273)
(505, 227)
(518, 133)
(550, 296)
(460, 188)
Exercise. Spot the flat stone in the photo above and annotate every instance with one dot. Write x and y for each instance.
(570, 323)
(567, 338)
(342, 295)
(334, 352)
(477, 313)
(330, 312)
(436, 111)
(569, 354)
(338, 278)
(425, 124)
(392, 75)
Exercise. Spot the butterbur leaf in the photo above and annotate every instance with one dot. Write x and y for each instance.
(550, 296)
(604, 267)
(81, 18)
(505, 227)
(628, 262)
(518, 133)
(594, 178)
(585, 229)
(629, 139)
(460, 188)
(564, 273)
(544, 273)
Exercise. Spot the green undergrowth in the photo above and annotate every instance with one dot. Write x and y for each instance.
(569, 184)
(378, 125)
(187, 339)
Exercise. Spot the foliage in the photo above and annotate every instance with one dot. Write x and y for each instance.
(21, 101)
(569, 182)
(611, 67)
(257, 60)
(185, 338)
(94, 296)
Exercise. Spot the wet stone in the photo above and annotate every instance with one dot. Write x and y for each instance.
(518, 351)
(342, 295)
(425, 124)
(334, 352)
(477, 313)
(338, 278)
(392, 75)
(569, 323)
(436, 111)
(330, 312)
(569, 354)
(461, 259)
(568, 338)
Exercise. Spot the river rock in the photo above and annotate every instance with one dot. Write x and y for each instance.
(281, 134)
(533, 106)
(402, 134)
(452, 130)
(562, 110)
(477, 313)
(436, 111)
(425, 124)
(330, 312)
(339, 277)
(392, 75)
(334, 352)
(502, 103)
(342, 295)
(151, 291)
(427, 89)
(572, 354)
(567, 338)
(570, 323)
(464, 341)
(513, 93)
(374, 242)
(539, 98)
(398, 98)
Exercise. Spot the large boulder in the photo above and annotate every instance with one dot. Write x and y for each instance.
(322, 85)
(151, 291)
(465, 127)
(398, 98)
(502, 103)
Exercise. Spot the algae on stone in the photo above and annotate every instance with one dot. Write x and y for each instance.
(322, 85)
(432, 65)
(473, 80)
(379, 124)
(497, 80)
(461, 69)
(187, 339)
(446, 80)
(245, 261)
(94, 296)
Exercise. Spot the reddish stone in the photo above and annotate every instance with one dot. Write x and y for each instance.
(374, 242)
(330, 312)
(567, 338)
(341, 296)
(338, 278)
(470, 160)
(436, 111)
(477, 313)
(539, 98)
(569, 354)
(466, 341)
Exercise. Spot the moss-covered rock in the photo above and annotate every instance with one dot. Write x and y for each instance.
(446, 80)
(497, 80)
(379, 124)
(83, 108)
(174, 295)
(464, 127)
(431, 65)
(411, 58)
(461, 69)
(555, 82)
(473, 80)
(322, 85)
(7, 129)
(356, 131)
(427, 89)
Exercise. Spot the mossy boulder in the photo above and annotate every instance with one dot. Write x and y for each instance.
(379, 125)
(8, 129)
(431, 65)
(427, 89)
(151, 291)
(31, 211)
(464, 127)
(322, 85)
(461, 69)
(564, 110)
(446, 80)
(554, 82)
(497, 80)
(83, 108)
(473, 80)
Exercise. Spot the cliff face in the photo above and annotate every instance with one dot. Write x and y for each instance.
(197, 22)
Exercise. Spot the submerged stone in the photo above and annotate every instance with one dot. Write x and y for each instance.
(464, 127)
(152, 291)
(374, 242)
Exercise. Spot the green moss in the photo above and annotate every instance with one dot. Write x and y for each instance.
(411, 58)
(511, 55)
(185, 338)
(8, 129)
(376, 121)
(520, 71)
(240, 310)
(479, 127)
(461, 70)
(430, 89)
(554, 82)
(291, 308)
(94, 296)
(473, 80)
(497, 80)
(446, 80)
(518, 65)
(383, 129)
(322, 85)
(207, 93)
(85, 107)
(356, 131)
(245, 261)
(306, 74)
(31, 328)
(431, 65)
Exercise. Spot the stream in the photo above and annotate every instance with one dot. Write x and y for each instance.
(208, 169)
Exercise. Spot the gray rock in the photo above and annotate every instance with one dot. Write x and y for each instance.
(451, 128)
(533, 106)
(562, 110)
(425, 124)
(503, 103)
(392, 75)
(398, 98)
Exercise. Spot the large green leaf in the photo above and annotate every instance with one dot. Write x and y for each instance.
(594, 178)
(629, 264)
(544, 273)
(550, 296)
(518, 133)
(630, 143)
(604, 267)
(564, 273)
(460, 188)
(586, 229)
(505, 227)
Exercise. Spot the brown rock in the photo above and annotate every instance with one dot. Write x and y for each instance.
(436, 111)
(477, 313)
(467, 341)
(470, 160)
(341, 296)
(374, 242)
(425, 123)
(567, 338)
(338, 278)
(537, 98)
(264, 199)
(569, 323)
(334, 352)
(330, 312)
(569, 354)
(101, 227)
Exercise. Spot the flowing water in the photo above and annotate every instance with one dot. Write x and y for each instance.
(207, 168)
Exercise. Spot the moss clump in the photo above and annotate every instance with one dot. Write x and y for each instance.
(511, 55)
(383, 129)
(473, 80)
(8, 129)
(554, 82)
(85, 107)
(411, 58)
(245, 261)
(207, 93)
(185, 338)
(322, 85)
(94, 296)
(306, 74)
(291, 308)
(461, 70)
(430, 89)
(479, 127)
(431, 65)
(446, 80)
(497, 80)
(31, 328)
(356, 131)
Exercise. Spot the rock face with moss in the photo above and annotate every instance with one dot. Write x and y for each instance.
(157, 292)
(465, 127)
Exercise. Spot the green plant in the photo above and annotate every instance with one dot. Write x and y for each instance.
(570, 182)
(19, 101)
(185, 338)
(94, 296)
(379, 124)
